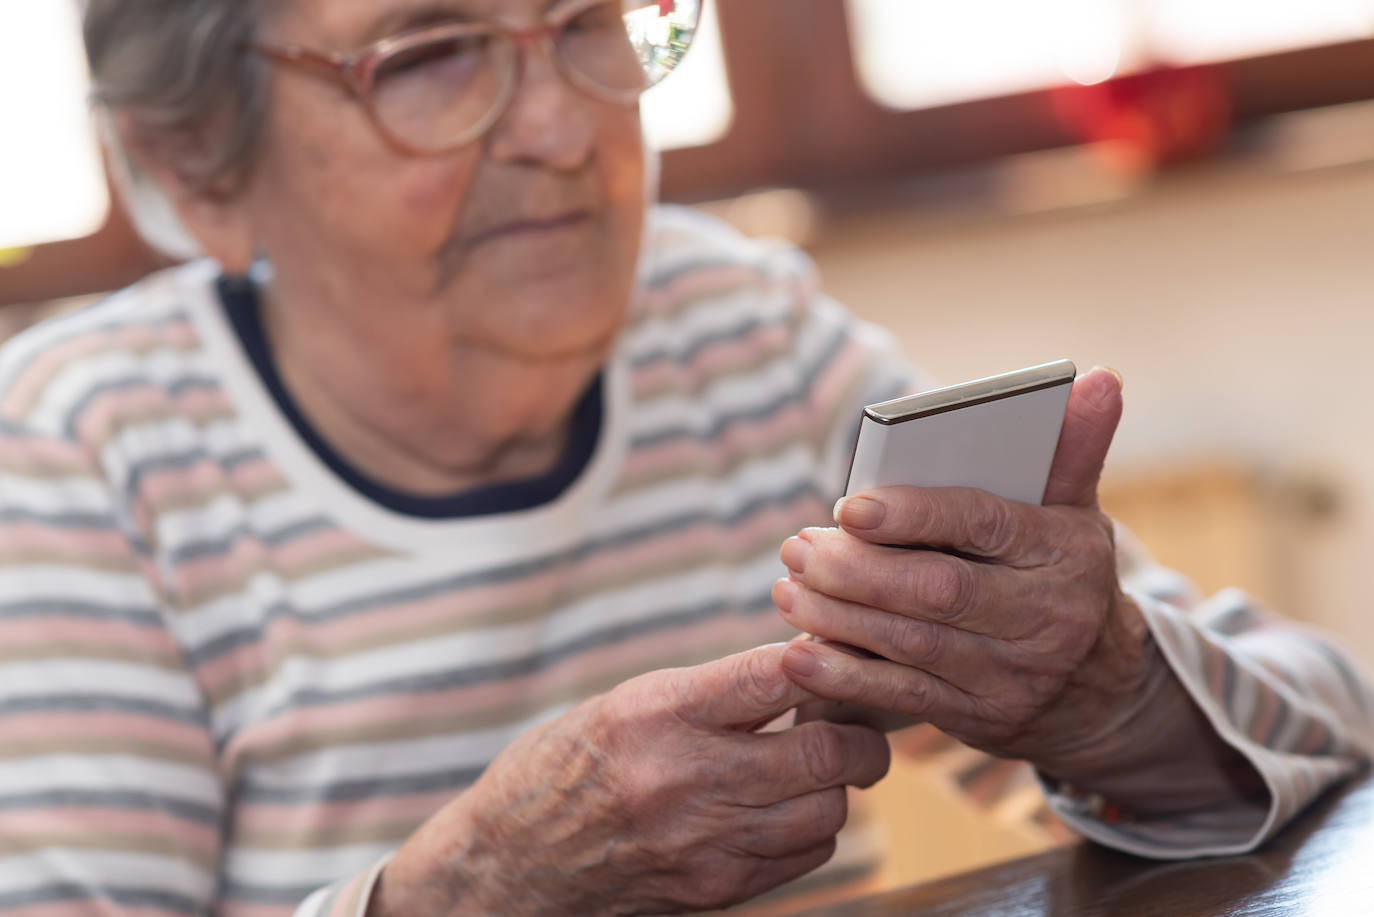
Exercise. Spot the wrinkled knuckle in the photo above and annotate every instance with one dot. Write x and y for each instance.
(993, 527)
(824, 753)
(762, 682)
(949, 586)
(915, 641)
(910, 696)
(649, 700)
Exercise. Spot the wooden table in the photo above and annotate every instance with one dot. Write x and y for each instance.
(1322, 865)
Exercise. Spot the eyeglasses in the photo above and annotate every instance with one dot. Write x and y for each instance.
(438, 88)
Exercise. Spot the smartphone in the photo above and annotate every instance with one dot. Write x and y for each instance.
(998, 434)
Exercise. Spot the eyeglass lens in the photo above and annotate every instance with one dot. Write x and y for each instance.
(435, 94)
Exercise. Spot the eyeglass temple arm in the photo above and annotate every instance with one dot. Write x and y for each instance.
(336, 68)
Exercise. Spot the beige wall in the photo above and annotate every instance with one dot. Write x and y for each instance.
(1237, 304)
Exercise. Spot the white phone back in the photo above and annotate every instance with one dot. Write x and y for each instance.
(1004, 446)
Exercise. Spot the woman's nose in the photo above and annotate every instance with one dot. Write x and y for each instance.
(548, 120)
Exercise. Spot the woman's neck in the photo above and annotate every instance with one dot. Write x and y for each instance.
(423, 414)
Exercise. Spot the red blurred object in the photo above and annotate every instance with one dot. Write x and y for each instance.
(1148, 120)
(666, 7)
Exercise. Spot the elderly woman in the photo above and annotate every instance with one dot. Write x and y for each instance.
(389, 558)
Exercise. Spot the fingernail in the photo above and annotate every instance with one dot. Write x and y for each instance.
(785, 595)
(1120, 380)
(801, 661)
(862, 513)
(794, 554)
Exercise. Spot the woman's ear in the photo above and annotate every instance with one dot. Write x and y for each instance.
(210, 209)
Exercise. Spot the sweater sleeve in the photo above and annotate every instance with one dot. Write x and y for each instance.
(112, 800)
(1286, 697)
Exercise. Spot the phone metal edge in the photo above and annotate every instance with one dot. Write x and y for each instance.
(968, 394)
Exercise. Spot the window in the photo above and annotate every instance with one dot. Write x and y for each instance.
(693, 107)
(52, 182)
(923, 53)
(836, 95)
(1191, 31)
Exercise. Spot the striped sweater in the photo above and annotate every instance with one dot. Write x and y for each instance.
(231, 683)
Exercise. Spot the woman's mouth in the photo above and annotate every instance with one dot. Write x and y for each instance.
(532, 226)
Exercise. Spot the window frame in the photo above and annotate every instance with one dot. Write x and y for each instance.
(804, 120)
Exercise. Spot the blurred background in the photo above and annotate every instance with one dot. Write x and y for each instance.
(1181, 189)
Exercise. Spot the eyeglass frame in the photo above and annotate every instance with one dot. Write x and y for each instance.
(356, 70)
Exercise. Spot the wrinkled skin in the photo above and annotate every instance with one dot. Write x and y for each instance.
(1000, 622)
(657, 797)
(1004, 624)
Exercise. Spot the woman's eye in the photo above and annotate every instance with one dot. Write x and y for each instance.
(434, 56)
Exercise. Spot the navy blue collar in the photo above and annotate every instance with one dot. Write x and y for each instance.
(244, 310)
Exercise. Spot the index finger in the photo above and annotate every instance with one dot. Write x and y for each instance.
(775, 766)
(963, 520)
(742, 691)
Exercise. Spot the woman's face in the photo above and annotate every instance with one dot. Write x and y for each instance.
(524, 241)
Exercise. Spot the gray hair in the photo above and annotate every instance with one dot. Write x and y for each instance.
(179, 70)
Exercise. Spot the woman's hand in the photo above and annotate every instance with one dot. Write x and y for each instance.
(1002, 623)
(657, 797)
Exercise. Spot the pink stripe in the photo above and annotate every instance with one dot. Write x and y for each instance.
(159, 487)
(47, 364)
(1313, 737)
(249, 554)
(307, 549)
(42, 453)
(1214, 669)
(1302, 780)
(77, 543)
(839, 373)
(57, 629)
(657, 375)
(255, 477)
(1266, 713)
(108, 407)
(696, 284)
(219, 675)
(246, 663)
(727, 542)
(408, 809)
(754, 436)
(743, 351)
(206, 475)
(105, 725)
(129, 823)
(301, 722)
(148, 567)
(245, 909)
(734, 353)
(201, 403)
(92, 908)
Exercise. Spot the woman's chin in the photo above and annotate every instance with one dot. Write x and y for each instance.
(559, 332)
